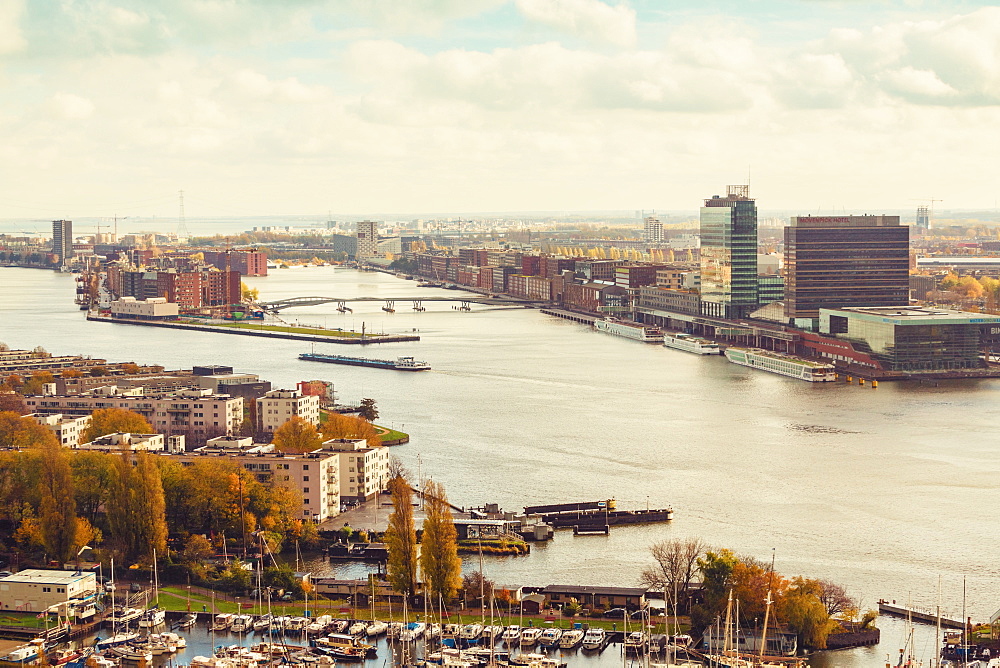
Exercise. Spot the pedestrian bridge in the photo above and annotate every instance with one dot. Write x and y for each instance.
(460, 302)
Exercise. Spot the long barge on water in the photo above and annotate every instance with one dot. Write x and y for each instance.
(399, 364)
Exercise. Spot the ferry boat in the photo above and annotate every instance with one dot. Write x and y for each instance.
(630, 330)
(782, 364)
(399, 364)
(691, 344)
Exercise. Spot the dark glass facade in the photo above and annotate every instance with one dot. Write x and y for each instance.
(845, 265)
(729, 255)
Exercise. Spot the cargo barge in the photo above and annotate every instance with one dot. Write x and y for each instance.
(399, 364)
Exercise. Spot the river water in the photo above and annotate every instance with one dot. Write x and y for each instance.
(887, 491)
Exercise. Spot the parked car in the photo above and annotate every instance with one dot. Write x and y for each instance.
(135, 588)
(615, 613)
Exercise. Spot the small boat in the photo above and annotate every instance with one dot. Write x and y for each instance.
(123, 615)
(412, 631)
(550, 637)
(178, 641)
(491, 633)
(358, 628)
(530, 660)
(263, 622)
(433, 631)
(241, 624)
(188, 621)
(119, 638)
(376, 628)
(152, 617)
(512, 634)
(637, 641)
(395, 628)
(319, 624)
(222, 621)
(529, 636)
(296, 625)
(595, 638)
(571, 639)
(132, 653)
(65, 655)
(278, 624)
(470, 632)
(339, 625)
(345, 646)
(24, 654)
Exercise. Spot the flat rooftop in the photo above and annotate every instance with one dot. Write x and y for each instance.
(40, 576)
(913, 315)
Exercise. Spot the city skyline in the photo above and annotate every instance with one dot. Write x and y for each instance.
(492, 105)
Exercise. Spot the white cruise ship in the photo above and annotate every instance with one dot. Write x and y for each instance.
(630, 330)
(785, 365)
(691, 344)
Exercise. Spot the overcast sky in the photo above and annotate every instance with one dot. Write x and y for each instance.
(354, 106)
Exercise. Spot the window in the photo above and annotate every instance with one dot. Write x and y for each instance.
(305, 490)
(305, 478)
(305, 467)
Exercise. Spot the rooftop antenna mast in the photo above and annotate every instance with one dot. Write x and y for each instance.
(182, 230)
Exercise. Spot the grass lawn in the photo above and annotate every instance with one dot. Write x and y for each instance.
(26, 620)
(390, 434)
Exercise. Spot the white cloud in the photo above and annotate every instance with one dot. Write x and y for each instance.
(591, 20)
(917, 84)
(70, 107)
(11, 37)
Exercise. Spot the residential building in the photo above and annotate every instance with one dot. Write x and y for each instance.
(652, 230)
(367, 236)
(911, 339)
(277, 407)
(37, 590)
(67, 429)
(364, 471)
(196, 413)
(154, 308)
(62, 240)
(246, 262)
(728, 232)
(843, 261)
(120, 441)
(313, 475)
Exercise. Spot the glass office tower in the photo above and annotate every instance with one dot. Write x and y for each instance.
(729, 254)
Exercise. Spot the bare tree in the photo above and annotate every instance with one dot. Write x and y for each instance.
(675, 564)
(397, 469)
(835, 598)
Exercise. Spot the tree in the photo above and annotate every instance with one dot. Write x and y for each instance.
(716, 569)
(675, 564)
(368, 410)
(477, 587)
(197, 549)
(57, 509)
(439, 560)
(401, 539)
(835, 598)
(345, 426)
(398, 469)
(34, 384)
(18, 432)
(248, 294)
(12, 402)
(297, 435)
(105, 421)
(804, 613)
(136, 509)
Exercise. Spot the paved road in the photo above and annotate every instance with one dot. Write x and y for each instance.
(369, 515)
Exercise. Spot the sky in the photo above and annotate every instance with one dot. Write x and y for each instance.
(272, 107)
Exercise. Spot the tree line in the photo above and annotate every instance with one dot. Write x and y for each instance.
(698, 581)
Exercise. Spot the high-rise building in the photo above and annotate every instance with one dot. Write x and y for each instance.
(62, 239)
(652, 230)
(843, 261)
(923, 219)
(729, 254)
(367, 239)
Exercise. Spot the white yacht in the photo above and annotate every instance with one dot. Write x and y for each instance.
(512, 634)
(595, 638)
(571, 639)
(550, 637)
(529, 636)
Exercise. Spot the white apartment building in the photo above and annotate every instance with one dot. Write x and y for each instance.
(279, 406)
(363, 470)
(134, 442)
(313, 475)
(154, 308)
(197, 413)
(68, 429)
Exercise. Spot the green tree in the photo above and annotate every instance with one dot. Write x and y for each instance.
(92, 475)
(803, 610)
(34, 384)
(136, 509)
(197, 549)
(401, 539)
(105, 421)
(368, 410)
(439, 561)
(716, 569)
(296, 435)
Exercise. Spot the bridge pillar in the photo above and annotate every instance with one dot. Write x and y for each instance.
(418, 305)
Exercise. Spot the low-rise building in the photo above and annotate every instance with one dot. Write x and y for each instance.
(154, 308)
(632, 598)
(121, 441)
(277, 407)
(68, 429)
(364, 470)
(36, 590)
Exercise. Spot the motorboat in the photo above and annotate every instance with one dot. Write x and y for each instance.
(412, 631)
(263, 622)
(188, 621)
(595, 638)
(241, 624)
(491, 633)
(571, 638)
(222, 621)
(358, 628)
(152, 617)
(529, 636)
(550, 637)
(470, 632)
(511, 634)
(636, 641)
(319, 624)
(376, 628)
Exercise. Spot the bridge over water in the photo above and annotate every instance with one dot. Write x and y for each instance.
(464, 302)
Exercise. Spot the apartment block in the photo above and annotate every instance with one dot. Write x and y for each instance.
(279, 406)
(364, 471)
(67, 429)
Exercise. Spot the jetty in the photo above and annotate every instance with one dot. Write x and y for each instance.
(920, 616)
(595, 516)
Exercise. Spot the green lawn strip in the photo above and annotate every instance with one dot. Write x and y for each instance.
(390, 434)
(27, 620)
(287, 329)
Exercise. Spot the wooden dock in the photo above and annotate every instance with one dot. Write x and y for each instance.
(917, 615)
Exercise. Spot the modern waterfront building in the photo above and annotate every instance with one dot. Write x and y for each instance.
(367, 239)
(911, 339)
(364, 470)
(37, 590)
(62, 240)
(277, 407)
(154, 308)
(729, 254)
(837, 261)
